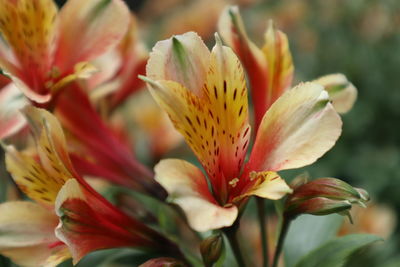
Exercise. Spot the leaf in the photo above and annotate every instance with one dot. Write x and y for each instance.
(114, 257)
(395, 262)
(308, 232)
(334, 253)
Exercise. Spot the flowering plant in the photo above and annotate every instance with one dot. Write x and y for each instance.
(82, 183)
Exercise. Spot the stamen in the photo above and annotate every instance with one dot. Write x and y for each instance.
(233, 182)
(253, 175)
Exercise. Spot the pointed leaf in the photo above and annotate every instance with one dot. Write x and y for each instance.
(335, 252)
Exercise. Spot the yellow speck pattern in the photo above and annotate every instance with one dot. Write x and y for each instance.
(29, 28)
(32, 178)
(215, 125)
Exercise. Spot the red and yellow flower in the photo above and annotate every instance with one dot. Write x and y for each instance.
(86, 221)
(270, 69)
(205, 96)
(46, 49)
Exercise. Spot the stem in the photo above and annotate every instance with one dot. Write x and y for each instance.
(282, 235)
(264, 234)
(232, 238)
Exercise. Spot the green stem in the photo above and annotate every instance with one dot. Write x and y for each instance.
(282, 235)
(231, 234)
(264, 234)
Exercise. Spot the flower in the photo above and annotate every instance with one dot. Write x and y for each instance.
(87, 221)
(205, 96)
(211, 249)
(324, 196)
(46, 49)
(270, 69)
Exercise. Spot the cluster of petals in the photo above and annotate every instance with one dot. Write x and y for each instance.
(45, 49)
(83, 61)
(206, 98)
(270, 69)
(68, 217)
(94, 43)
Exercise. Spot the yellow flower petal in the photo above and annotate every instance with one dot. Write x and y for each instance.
(29, 28)
(298, 129)
(31, 178)
(226, 90)
(270, 70)
(192, 119)
(232, 30)
(41, 179)
(183, 59)
(280, 64)
(214, 122)
(51, 142)
(266, 185)
(187, 187)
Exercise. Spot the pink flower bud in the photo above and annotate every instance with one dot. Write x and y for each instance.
(324, 196)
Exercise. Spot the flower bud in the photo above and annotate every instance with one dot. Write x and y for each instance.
(211, 249)
(324, 196)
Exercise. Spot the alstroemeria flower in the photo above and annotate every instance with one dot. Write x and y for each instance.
(88, 222)
(46, 49)
(270, 69)
(205, 95)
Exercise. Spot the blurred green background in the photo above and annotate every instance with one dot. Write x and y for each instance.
(359, 38)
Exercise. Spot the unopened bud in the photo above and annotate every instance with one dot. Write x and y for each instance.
(324, 196)
(163, 262)
(211, 249)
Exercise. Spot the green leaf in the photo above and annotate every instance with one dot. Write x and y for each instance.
(335, 253)
(306, 233)
(114, 257)
(395, 262)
